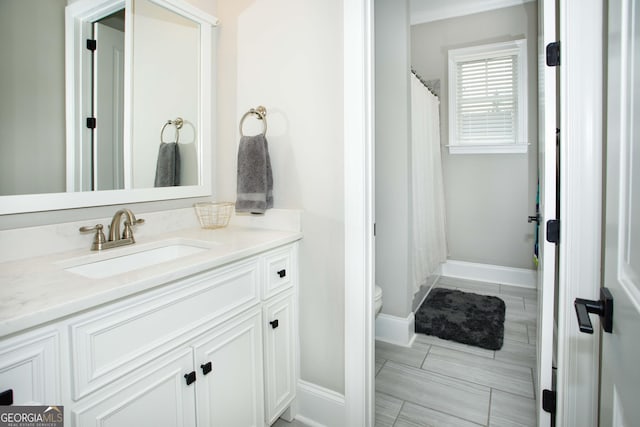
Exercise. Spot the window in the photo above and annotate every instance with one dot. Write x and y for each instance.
(488, 98)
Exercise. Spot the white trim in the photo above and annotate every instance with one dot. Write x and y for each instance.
(358, 216)
(450, 9)
(581, 133)
(522, 277)
(318, 406)
(396, 330)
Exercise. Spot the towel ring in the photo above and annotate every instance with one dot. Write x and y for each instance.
(259, 111)
(178, 122)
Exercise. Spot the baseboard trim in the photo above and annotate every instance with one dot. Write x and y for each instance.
(490, 273)
(395, 330)
(318, 406)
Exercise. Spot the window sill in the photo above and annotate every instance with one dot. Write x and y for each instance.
(489, 149)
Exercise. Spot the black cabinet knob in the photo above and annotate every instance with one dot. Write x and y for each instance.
(274, 323)
(206, 368)
(190, 377)
(282, 273)
(6, 397)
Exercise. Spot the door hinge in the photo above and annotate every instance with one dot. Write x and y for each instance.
(91, 44)
(553, 231)
(91, 122)
(549, 401)
(553, 54)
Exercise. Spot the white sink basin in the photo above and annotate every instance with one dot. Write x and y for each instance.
(112, 262)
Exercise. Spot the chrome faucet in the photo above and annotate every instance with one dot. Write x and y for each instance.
(115, 239)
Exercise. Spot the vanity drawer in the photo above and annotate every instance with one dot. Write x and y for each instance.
(279, 271)
(111, 341)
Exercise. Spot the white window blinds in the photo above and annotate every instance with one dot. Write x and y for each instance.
(487, 108)
(488, 98)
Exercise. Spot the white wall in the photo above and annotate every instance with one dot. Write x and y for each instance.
(488, 197)
(287, 56)
(392, 151)
(32, 124)
(166, 49)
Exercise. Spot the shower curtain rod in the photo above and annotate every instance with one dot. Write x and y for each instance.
(424, 83)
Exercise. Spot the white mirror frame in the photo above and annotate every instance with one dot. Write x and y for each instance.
(76, 15)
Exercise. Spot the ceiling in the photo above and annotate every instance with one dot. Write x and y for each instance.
(432, 10)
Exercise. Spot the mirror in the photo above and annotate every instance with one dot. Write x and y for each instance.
(157, 70)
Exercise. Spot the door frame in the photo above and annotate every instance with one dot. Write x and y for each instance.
(581, 204)
(581, 136)
(359, 212)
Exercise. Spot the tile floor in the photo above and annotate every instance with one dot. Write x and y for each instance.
(443, 383)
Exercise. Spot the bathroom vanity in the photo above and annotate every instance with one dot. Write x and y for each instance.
(206, 337)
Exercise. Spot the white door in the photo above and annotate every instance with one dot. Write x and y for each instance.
(547, 204)
(230, 375)
(156, 395)
(280, 382)
(620, 375)
(108, 107)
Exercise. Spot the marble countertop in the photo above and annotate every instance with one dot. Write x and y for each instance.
(38, 290)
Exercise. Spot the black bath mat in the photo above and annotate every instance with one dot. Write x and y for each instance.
(463, 317)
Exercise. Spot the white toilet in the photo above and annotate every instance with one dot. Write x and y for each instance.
(377, 299)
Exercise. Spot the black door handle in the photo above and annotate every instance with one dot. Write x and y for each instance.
(282, 273)
(274, 324)
(603, 307)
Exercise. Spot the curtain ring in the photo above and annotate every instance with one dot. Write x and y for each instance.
(259, 111)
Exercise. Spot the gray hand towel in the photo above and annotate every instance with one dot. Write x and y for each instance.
(168, 166)
(255, 178)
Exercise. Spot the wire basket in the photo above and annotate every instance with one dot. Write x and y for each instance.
(214, 215)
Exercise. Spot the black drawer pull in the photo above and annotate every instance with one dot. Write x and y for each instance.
(282, 273)
(206, 368)
(6, 397)
(274, 324)
(190, 377)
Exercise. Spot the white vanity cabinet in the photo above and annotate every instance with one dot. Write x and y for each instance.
(215, 348)
(230, 335)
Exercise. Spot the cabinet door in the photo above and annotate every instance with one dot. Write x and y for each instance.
(158, 396)
(29, 367)
(279, 345)
(229, 366)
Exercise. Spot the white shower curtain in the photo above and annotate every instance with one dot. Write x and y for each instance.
(428, 222)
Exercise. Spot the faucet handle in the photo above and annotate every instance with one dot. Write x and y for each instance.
(128, 233)
(98, 239)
